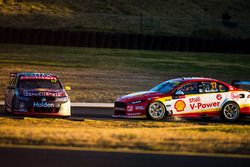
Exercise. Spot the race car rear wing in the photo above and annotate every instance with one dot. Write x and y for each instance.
(238, 83)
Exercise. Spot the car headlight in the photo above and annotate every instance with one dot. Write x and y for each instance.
(62, 99)
(137, 102)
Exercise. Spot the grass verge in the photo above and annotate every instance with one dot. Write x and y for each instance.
(101, 75)
(194, 137)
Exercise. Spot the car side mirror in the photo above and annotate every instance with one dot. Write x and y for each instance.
(67, 88)
(179, 92)
(10, 87)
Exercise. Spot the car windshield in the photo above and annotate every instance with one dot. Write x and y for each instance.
(39, 83)
(165, 87)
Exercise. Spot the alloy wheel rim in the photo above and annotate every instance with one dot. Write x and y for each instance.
(156, 110)
(231, 111)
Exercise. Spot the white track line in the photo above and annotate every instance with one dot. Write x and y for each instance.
(83, 104)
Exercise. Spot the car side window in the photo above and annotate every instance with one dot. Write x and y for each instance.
(190, 88)
(211, 87)
(222, 88)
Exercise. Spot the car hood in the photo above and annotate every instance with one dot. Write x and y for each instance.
(140, 96)
(43, 92)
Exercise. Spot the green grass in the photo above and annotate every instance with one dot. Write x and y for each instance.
(125, 59)
(101, 75)
(182, 17)
(173, 136)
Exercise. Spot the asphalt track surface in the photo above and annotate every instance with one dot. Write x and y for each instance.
(83, 112)
(92, 112)
(23, 157)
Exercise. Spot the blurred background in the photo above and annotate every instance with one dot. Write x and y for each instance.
(107, 48)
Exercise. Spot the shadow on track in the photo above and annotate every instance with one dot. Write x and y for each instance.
(80, 113)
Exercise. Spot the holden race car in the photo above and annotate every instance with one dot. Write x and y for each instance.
(194, 97)
(36, 94)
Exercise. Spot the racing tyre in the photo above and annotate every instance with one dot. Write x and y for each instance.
(230, 112)
(156, 110)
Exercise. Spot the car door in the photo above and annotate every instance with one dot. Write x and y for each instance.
(212, 96)
(183, 97)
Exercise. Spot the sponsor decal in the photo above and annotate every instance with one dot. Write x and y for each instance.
(218, 96)
(213, 84)
(194, 100)
(180, 105)
(235, 96)
(45, 93)
(120, 109)
(139, 107)
(43, 99)
(182, 97)
(129, 108)
(204, 105)
(168, 99)
(39, 77)
(43, 104)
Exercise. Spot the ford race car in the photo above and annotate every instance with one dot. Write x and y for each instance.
(36, 94)
(187, 97)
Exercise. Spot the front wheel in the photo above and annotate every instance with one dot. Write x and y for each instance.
(156, 110)
(230, 111)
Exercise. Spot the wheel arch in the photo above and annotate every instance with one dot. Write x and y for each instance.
(226, 102)
(155, 101)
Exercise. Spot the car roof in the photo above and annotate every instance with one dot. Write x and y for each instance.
(193, 79)
(34, 73)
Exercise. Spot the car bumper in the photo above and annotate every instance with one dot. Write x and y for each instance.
(129, 111)
(63, 110)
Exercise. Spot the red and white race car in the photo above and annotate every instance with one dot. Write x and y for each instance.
(187, 97)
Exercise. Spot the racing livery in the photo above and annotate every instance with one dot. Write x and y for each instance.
(36, 94)
(187, 97)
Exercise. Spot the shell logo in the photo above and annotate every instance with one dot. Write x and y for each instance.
(180, 105)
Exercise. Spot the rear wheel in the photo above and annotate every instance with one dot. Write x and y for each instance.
(230, 112)
(156, 110)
